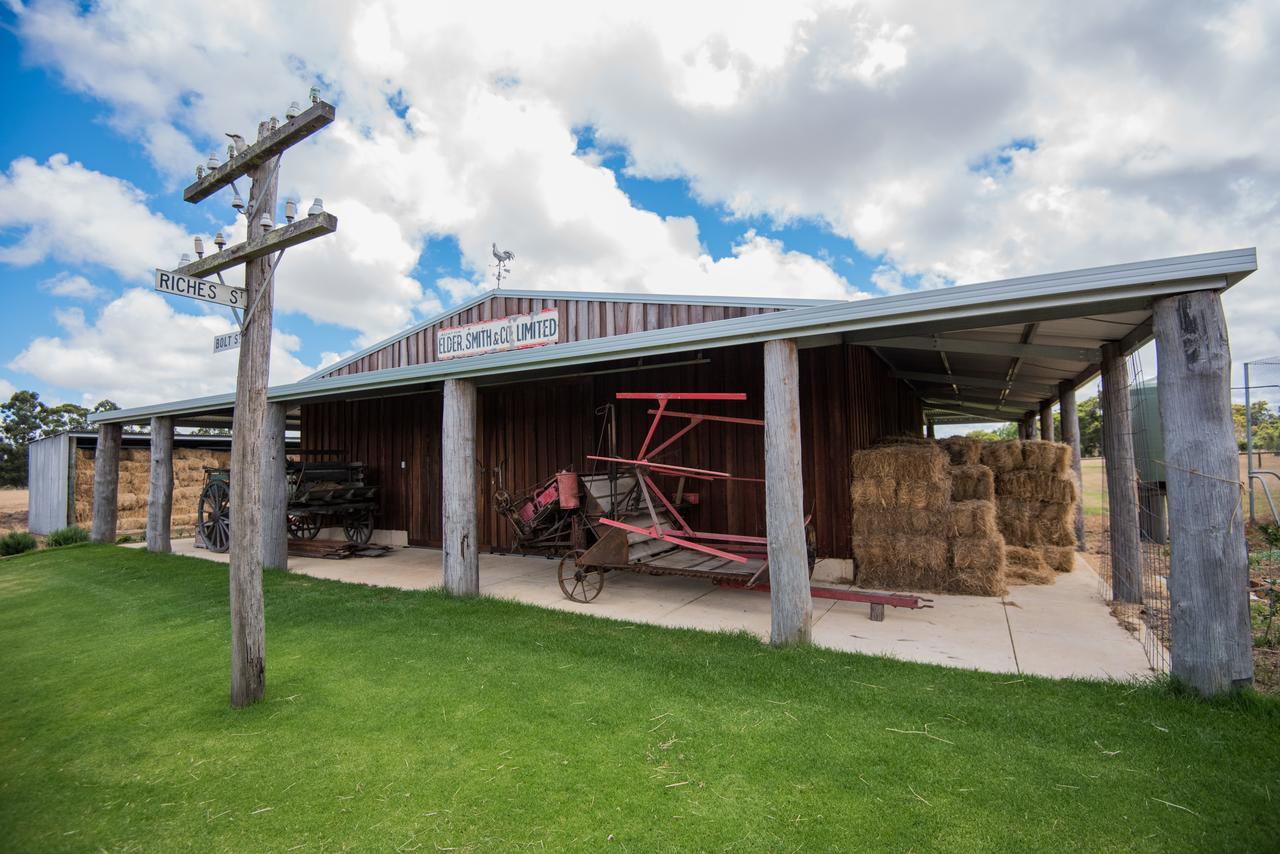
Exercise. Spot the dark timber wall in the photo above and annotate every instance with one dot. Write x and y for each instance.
(532, 429)
(580, 319)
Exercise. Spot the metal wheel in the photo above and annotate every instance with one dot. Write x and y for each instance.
(358, 527)
(579, 583)
(304, 526)
(214, 520)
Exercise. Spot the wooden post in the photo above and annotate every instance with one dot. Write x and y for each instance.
(1122, 479)
(160, 490)
(1046, 421)
(928, 430)
(106, 483)
(1209, 571)
(248, 438)
(790, 600)
(1027, 427)
(458, 463)
(275, 491)
(1071, 435)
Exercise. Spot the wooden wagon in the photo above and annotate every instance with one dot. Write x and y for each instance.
(321, 495)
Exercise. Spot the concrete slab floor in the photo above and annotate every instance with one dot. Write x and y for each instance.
(1064, 629)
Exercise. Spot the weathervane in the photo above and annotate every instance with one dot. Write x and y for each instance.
(502, 258)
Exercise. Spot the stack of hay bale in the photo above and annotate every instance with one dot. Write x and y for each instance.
(135, 486)
(977, 547)
(908, 533)
(901, 494)
(1035, 496)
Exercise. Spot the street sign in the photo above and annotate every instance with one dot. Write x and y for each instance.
(230, 341)
(502, 333)
(168, 282)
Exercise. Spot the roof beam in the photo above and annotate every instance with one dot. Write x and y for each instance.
(990, 348)
(1041, 389)
(988, 406)
(268, 243)
(290, 133)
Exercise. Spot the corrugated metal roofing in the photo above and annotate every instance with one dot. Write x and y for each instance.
(1076, 294)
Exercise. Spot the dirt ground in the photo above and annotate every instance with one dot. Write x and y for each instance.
(13, 510)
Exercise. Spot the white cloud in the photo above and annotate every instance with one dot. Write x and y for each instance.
(71, 286)
(892, 123)
(6, 390)
(138, 350)
(65, 212)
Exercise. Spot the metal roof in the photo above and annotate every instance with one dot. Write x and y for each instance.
(1070, 314)
(592, 296)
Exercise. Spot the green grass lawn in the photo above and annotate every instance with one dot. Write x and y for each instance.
(411, 721)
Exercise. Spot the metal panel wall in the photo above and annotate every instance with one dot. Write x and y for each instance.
(579, 320)
(527, 431)
(48, 483)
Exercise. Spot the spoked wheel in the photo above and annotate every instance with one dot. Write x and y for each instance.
(358, 527)
(304, 527)
(214, 520)
(579, 583)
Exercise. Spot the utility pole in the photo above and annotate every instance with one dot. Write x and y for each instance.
(260, 253)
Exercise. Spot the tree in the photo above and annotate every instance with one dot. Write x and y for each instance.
(1262, 416)
(1089, 414)
(22, 421)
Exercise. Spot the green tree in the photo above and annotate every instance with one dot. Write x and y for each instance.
(1262, 417)
(22, 421)
(1089, 414)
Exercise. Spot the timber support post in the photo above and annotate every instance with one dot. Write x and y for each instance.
(1046, 421)
(1071, 435)
(1212, 648)
(790, 599)
(1122, 478)
(106, 483)
(160, 490)
(275, 491)
(458, 464)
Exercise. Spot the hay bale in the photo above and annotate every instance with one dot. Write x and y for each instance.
(873, 520)
(1059, 558)
(972, 482)
(890, 441)
(1026, 566)
(1053, 457)
(963, 450)
(978, 566)
(886, 562)
(1033, 485)
(887, 492)
(1002, 456)
(972, 519)
(902, 463)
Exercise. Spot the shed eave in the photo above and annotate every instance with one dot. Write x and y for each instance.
(1073, 293)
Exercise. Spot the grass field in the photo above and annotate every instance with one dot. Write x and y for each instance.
(411, 721)
(1094, 476)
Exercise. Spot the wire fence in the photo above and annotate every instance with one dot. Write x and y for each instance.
(1149, 618)
(1260, 466)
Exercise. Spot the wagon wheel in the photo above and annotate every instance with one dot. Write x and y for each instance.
(303, 526)
(214, 520)
(358, 526)
(579, 583)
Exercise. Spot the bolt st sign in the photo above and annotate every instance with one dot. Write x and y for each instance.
(503, 333)
(202, 289)
(230, 341)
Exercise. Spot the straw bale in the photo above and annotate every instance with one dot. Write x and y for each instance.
(873, 520)
(889, 441)
(1030, 485)
(1054, 457)
(1059, 558)
(964, 450)
(1002, 456)
(886, 492)
(978, 565)
(900, 562)
(902, 462)
(972, 519)
(1026, 566)
(874, 492)
(972, 482)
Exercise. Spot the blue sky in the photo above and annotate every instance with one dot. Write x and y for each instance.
(810, 149)
(48, 119)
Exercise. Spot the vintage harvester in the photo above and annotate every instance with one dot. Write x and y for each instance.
(324, 494)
